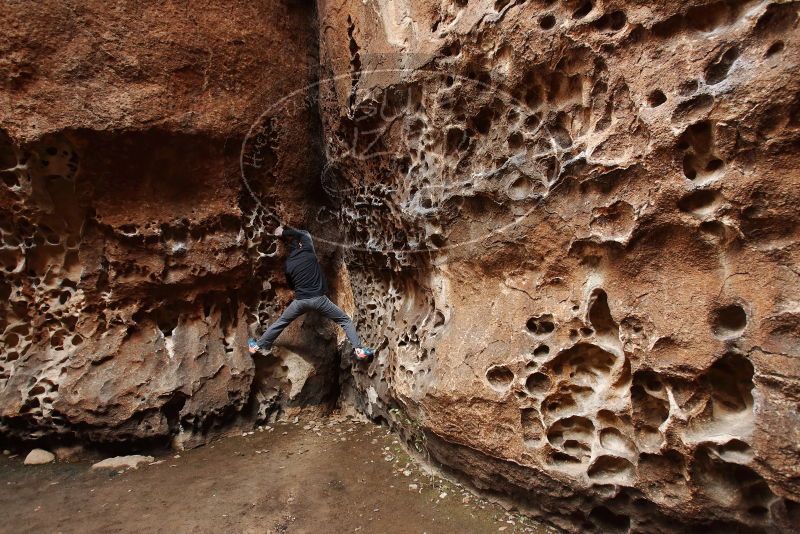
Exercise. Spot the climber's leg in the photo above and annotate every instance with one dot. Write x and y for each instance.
(295, 309)
(333, 312)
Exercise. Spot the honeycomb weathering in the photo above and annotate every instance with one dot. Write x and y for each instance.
(570, 229)
(134, 265)
(597, 312)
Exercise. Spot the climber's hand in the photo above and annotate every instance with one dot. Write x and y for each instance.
(278, 231)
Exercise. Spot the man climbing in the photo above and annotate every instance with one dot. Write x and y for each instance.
(305, 277)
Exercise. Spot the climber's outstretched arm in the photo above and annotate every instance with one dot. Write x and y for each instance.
(302, 236)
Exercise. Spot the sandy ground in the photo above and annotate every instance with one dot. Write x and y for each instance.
(315, 476)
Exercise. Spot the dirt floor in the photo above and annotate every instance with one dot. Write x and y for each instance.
(314, 476)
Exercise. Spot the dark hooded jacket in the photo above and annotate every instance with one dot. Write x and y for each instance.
(303, 271)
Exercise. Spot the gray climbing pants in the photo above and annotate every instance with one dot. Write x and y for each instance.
(298, 307)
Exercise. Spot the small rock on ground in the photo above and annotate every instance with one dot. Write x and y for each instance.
(123, 462)
(39, 457)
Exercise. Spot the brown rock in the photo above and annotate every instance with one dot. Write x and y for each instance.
(570, 228)
(582, 246)
(134, 262)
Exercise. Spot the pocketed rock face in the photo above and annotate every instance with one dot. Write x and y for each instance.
(132, 264)
(576, 247)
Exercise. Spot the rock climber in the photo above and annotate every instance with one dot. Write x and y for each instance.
(305, 277)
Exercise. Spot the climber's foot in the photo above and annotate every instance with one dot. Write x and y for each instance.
(252, 346)
(363, 353)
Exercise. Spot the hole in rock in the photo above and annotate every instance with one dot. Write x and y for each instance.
(699, 136)
(668, 27)
(520, 188)
(515, 140)
(576, 429)
(537, 383)
(729, 321)
(600, 315)
(563, 459)
(608, 468)
(731, 382)
(613, 21)
(718, 71)
(11, 339)
(547, 22)
(714, 229)
(541, 350)
(648, 400)
(582, 10)
(613, 440)
(532, 122)
(608, 521)
(167, 321)
(541, 325)
(706, 18)
(452, 49)
(700, 202)
(500, 378)
(734, 486)
(688, 88)
(586, 364)
(774, 48)
(482, 122)
(694, 108)
(656, 98)
(31, 404)
(561, 135)
(777, 18)
(439, 241)
(9, 178)
(714, 165)
(533, 97)
(128, 229)
(8, 157)
(792, 511)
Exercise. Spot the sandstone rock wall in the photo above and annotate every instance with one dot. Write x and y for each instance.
(133, 257)
(573, 235)
(569, 227)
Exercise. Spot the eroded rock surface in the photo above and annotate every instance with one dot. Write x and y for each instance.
(575, 241)
(133, 257)
(570, 229)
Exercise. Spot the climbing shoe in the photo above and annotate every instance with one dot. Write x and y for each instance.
(363, 353)
(252, 345)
